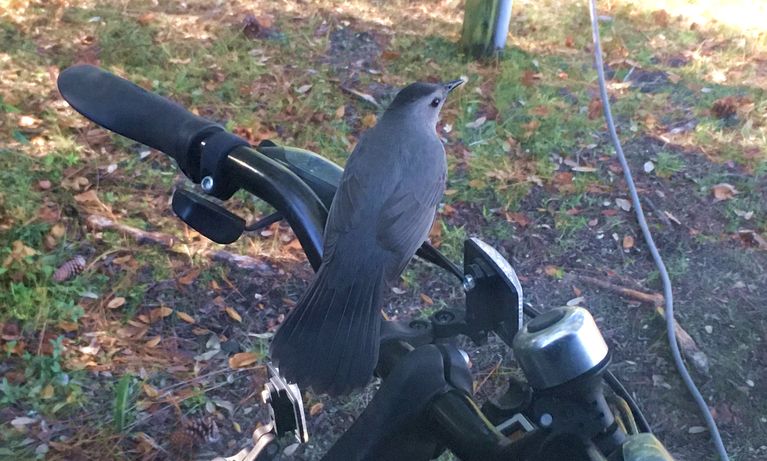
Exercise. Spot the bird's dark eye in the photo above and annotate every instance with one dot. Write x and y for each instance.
(435, 102)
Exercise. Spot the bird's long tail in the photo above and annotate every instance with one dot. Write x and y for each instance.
(329, 341)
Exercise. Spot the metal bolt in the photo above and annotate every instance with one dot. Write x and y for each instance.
(418, 325)
(546, 420)
(444, 317)
(468, 282)
(207, 184)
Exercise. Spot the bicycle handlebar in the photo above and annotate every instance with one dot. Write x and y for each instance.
(127, 109)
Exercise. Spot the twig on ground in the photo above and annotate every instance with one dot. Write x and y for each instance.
(687, 344)
(363, 96)
(171, 243)
(656, 299)
(660, 214)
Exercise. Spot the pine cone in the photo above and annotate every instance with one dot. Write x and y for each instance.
(69, 269)
(194, 433)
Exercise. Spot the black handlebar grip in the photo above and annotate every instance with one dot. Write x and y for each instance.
(127, 109)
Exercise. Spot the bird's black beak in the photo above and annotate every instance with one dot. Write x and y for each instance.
(450, 86)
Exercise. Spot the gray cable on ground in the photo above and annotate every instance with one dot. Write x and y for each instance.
(670, 322)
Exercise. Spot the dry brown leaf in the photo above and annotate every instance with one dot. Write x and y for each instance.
(233, 314)
(435, 234)
(529, 78)
(146, 18)
(426, 299)
(185, 317)
(242, 359)
(723, 191)
(552, 271)
(519, 219)
(628, 242)
(69, 327)
(152, 343)
(114, 303)
(390, 55)
(369, 120)
(595, 108)
(150, 391)
(752, 238)
(315, 409)
(159, 313)
(660, 18)
(47, 392)
(531, 127)
(189, 277)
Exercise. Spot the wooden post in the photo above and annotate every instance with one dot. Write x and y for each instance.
(481, 25)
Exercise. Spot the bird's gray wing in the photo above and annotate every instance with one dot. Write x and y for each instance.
(405, 220)
(367, 180)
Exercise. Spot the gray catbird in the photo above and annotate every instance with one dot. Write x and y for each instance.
(381, 213)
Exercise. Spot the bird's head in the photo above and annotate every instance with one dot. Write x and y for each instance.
(422, 101)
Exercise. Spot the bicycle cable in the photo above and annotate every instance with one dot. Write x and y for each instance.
(669, 302)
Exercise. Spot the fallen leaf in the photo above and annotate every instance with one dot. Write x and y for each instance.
(114, 303)
(150, 391)
(341, 111)
(233, 314)
(369, 121)
(303, 88)
(660, 17)
(723, 191)
(146, 18)
(529, 78)
(69, 327)
(47, 392)
(185, 317)
(530, 127)
(315, 409)
(435, 234)
(159, 313)
(426, 299)
(397, 290)
(189, 277)
(28, 121)
(554, 271)
(477, 123)
(752, 238)
(628, 242)
(22, 421)
(152, 343)
(242, 359)
(519, 219)
(44, 184)
(623, 204)
(595, 108)
(390, 55)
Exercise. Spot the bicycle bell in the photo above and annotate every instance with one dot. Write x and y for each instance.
(559, 346)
